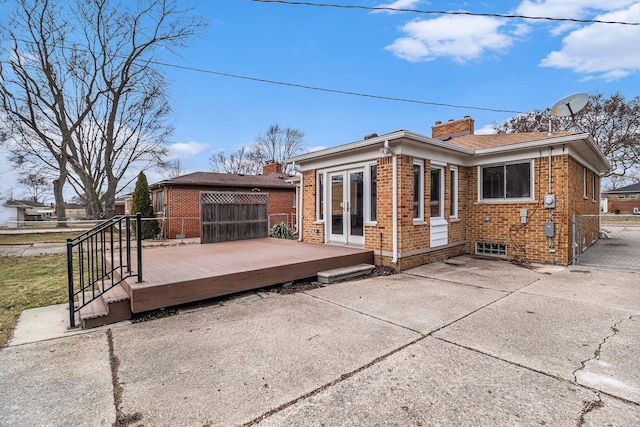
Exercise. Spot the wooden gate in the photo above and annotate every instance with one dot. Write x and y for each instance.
(226, 216)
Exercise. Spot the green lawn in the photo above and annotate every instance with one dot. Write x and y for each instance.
(28, 283)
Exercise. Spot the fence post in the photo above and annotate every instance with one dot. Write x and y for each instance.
(139, 244)
(72, 313)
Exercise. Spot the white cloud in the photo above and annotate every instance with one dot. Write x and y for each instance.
(569, 9)
(398, 4)
(316, 148)
(186, 149)
(485, 130)
(599, 50)
(460, 37)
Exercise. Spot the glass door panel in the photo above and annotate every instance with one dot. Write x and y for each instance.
(356, 205)
(336, 196)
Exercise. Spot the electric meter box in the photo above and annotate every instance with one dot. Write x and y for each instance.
(549, 229)
(549, 201)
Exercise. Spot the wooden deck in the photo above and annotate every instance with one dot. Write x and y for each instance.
(180, 274)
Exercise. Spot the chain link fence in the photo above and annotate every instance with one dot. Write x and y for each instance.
(618, 245)
(39, 238)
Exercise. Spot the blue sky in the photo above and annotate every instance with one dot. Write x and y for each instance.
(484, 62)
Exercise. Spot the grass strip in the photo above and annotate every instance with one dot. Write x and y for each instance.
(29, 283)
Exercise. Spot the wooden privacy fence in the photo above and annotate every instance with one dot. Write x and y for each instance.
(229, 216)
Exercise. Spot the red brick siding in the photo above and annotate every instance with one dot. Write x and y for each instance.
(183, 207)
(625, 206)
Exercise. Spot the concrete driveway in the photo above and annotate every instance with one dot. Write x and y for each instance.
(620, 248)
(463, 342)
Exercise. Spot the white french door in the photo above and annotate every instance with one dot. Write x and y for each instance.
(346, 207)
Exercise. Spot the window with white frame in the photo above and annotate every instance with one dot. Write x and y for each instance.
(373, 193)
(506, 181)
(320, 196)
(453, 189)
(584, 182)
(593, 186)
(418, 190)
(436, 203)
(160, 201)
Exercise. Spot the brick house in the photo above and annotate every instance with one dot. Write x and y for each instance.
(177, 200)
(624, 200)
(415, 199)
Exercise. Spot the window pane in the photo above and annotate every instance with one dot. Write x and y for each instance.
(453, 187)
(356, 203)
(493, 182)
(320, 197)
(518, 178)
(160, 201)
(337, 204)
(416, 191)
(373, 197)
(436, 197)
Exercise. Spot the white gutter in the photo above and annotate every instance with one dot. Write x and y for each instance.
(394, 203)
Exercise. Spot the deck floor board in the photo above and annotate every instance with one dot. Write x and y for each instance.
(180, 274)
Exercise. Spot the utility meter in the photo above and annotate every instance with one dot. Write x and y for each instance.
(549, 201)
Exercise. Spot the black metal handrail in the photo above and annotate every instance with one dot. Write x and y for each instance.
(101, 263)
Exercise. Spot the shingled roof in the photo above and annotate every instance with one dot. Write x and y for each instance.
(477, 142)
(633, 188)
(217, 179)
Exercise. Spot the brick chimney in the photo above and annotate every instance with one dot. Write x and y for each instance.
(452, 128)
(272, 167)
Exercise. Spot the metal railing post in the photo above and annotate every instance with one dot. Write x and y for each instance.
(128, 242)
(139, 244)
(72, 313)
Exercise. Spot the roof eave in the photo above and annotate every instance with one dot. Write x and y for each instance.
(547, 142)
(378, 140)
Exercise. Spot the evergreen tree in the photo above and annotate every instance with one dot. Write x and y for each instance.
(142, 203)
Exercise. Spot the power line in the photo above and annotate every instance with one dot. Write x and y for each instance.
(308, 87)
(443, 12)
(338, 91)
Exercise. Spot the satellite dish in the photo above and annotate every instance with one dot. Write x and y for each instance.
(570, 105)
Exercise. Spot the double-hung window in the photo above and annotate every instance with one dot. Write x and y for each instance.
(437, 193)
(320, 196)
(506, 181)
(453, 208)
(418, 191)
(160, 201)
(373, 192)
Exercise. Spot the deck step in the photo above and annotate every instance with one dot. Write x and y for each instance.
(336, 274)
(111, 307)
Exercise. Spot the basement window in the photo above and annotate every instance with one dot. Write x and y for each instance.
(488, 248)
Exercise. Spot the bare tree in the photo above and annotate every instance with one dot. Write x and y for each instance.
(37, 185)
(613, 122)
(82, 94)
(171, 168)
(277, 144)
(243, 161)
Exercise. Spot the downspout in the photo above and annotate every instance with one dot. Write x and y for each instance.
(394, 183)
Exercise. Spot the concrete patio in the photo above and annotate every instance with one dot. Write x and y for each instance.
(463, 342)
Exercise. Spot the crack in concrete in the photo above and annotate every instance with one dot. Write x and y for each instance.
(122, 419)
(588, 406)
(596, 352)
